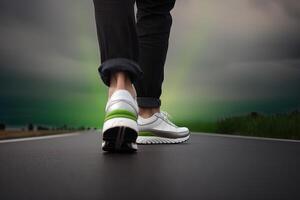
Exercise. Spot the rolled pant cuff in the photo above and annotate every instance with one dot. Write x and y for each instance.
(119, 64)
(148, 102)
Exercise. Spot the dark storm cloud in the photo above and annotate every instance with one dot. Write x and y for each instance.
(40, 44)
(35, 27)
(244, 50)
(269, 36)
(290, 7)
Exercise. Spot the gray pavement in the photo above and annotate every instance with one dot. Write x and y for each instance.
(207, 167)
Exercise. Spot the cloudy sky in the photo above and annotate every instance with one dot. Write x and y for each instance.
(224, 59)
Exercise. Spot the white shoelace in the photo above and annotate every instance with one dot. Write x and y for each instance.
(167, 117)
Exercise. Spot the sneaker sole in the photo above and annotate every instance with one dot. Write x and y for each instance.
(119, 135)
(160, 140)
(119, 139)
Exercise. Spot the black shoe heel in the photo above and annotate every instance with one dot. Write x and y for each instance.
(119, 139)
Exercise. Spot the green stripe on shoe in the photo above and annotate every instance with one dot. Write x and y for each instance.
(146, 133)
(120, 113)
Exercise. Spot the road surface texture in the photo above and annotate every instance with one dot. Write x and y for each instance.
(207, 167)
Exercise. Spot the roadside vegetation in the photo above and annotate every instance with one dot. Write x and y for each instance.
(23, 134)
(32, 130)
(285, 125)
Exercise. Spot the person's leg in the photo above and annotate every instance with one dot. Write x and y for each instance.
(153, 27)
(119, 69)
(118, 43)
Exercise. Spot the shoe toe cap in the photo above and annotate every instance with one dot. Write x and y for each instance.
(184, 130)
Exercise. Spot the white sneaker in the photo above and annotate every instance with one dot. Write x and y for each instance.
(158, 129)
(120, 124)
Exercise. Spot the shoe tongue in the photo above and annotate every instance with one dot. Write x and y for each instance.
(166, 116)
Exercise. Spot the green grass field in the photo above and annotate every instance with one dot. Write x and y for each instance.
(285, 126)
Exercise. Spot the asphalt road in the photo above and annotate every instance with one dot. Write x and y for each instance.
(207, 167)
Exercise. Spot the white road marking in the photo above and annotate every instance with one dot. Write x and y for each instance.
(39, 137)
(247, 137)
(193, 133)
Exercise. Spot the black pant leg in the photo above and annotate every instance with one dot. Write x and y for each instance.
(153, 27)
(117, 36)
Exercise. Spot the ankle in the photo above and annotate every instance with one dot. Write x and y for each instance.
(121, 81)
(148, 112)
